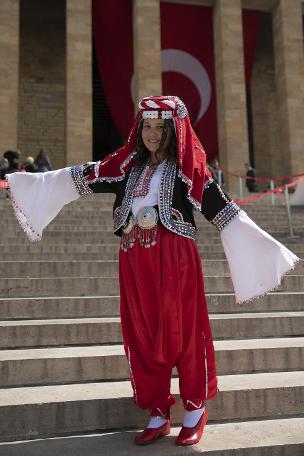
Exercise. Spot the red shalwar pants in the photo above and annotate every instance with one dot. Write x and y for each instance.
(165, 322)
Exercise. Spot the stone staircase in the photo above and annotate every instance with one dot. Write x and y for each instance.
(62, 367)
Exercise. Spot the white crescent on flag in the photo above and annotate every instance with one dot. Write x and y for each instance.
(184, 63)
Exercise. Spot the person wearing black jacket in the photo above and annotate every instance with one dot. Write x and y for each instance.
(250, 183)
(12, 157)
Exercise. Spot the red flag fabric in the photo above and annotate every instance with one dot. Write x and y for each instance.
(188, 66)
(112, 28)
(187, 56)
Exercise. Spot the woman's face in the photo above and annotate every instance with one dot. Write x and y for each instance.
(152, 131)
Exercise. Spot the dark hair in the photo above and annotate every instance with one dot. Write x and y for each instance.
(170, 151)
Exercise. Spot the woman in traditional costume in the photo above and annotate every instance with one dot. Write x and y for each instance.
(159, 177)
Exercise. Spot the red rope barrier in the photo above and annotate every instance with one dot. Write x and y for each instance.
(3, 184)
(262, 179)
(259, 196)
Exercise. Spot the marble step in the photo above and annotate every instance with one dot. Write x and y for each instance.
(108, 306)
(86, 248)
(91, 252)
(107, 330)
(45, 366)
(109, 286)
(102, 237)
(272, 437)
(95, 256)
(103, 268)
(94, 237)
(43, 411)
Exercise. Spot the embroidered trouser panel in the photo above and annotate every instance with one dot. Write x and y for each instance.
(165, 322)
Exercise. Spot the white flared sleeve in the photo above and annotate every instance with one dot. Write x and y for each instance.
(38, 197)
(257, 261)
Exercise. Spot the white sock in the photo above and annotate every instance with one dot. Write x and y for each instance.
(192, 418)
(156, 422)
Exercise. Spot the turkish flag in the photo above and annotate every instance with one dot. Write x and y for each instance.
(187, 56)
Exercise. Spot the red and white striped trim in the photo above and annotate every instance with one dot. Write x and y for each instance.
(199, 406)
(162, 103)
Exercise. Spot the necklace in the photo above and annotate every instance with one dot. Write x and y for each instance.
(143, 184)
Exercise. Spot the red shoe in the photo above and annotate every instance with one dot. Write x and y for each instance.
(191, 436)
(150, 435)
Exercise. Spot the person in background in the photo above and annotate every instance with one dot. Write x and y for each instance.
(250, 183)
(216, 172)
(4, 165)
(29, 165)
(42, 162)
(12, 157)
(9, 164)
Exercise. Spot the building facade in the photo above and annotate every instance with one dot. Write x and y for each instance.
(47, 91)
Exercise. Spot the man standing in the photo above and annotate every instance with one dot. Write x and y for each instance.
(250, 183)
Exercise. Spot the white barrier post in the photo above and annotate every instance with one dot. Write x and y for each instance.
(272, 194)
(291, 234)
(241, 187)
(220, 177)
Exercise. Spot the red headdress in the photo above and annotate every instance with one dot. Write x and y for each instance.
(192, 168)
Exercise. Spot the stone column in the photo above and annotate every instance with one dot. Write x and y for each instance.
(146, 46)
(78, 82)
(267, 158)
(289, 78)
(230, 89)
(9, 73)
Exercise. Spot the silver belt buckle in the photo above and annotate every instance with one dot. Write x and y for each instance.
(147, 217)
(142, 227)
